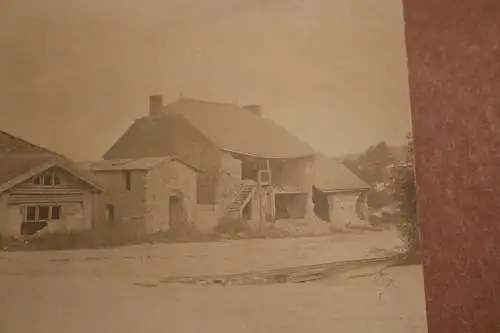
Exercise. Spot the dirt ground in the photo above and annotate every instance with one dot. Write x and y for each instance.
(54, 304)
(116, 290)
(157, 261)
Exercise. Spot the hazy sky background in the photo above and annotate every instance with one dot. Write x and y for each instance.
(75, 74)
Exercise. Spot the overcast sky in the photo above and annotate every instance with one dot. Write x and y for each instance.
(75, 74)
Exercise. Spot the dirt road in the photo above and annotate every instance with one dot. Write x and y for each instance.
(53, 304)
(109, 291)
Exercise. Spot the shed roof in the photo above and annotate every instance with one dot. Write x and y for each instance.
(228, 126)
(332, 176)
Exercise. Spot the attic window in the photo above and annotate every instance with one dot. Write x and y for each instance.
(47, 179)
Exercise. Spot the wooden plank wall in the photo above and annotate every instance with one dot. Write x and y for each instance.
(69, 190)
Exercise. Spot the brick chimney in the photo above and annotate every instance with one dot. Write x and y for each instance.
(155, 105)
(255, 109)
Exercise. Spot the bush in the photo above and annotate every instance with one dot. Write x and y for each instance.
(405, 194)
(231, 226)
(383, 219)
(94, 238)
(403, 189)
(378, 199)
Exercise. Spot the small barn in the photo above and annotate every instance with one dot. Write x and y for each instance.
(154, 194)
(339, 196)
(44, 192)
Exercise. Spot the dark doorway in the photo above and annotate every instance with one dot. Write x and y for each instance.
(361, 205)
(321, 205)
(176, 213)
(31, 228)
(290, 205)
(111, 214)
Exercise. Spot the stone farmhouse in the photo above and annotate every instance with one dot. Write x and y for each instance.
(251, 169)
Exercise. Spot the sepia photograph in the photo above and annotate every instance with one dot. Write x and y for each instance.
(207, 166)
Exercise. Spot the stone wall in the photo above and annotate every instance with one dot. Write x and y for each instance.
(343, 209)
(180, 139)
(147, 203)
(128, 205)
(171, 178)
(206, 218)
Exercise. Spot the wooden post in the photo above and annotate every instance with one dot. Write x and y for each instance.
(272, 202)
(262, 195)
(262, 215)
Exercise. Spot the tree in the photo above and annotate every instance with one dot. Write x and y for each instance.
(371, 166)
(403, 190)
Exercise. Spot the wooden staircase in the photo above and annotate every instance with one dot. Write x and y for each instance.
(243, 192)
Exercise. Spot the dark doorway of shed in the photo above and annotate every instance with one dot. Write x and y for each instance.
(177, 214)
(321, 205)
(362, 207)
(290, 205)
(110, 214)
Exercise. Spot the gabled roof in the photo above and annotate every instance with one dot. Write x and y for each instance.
(21, 160)
(131, 164)
(14, 166)
(230, 127)
(332, 176)
(11, 144)
(15, 169)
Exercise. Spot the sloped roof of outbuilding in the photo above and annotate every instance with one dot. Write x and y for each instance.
(332, 176)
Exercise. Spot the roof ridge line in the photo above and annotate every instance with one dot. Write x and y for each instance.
(203, 101)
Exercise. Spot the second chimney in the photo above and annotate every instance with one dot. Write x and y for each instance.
(255, 109)
(155, 105)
